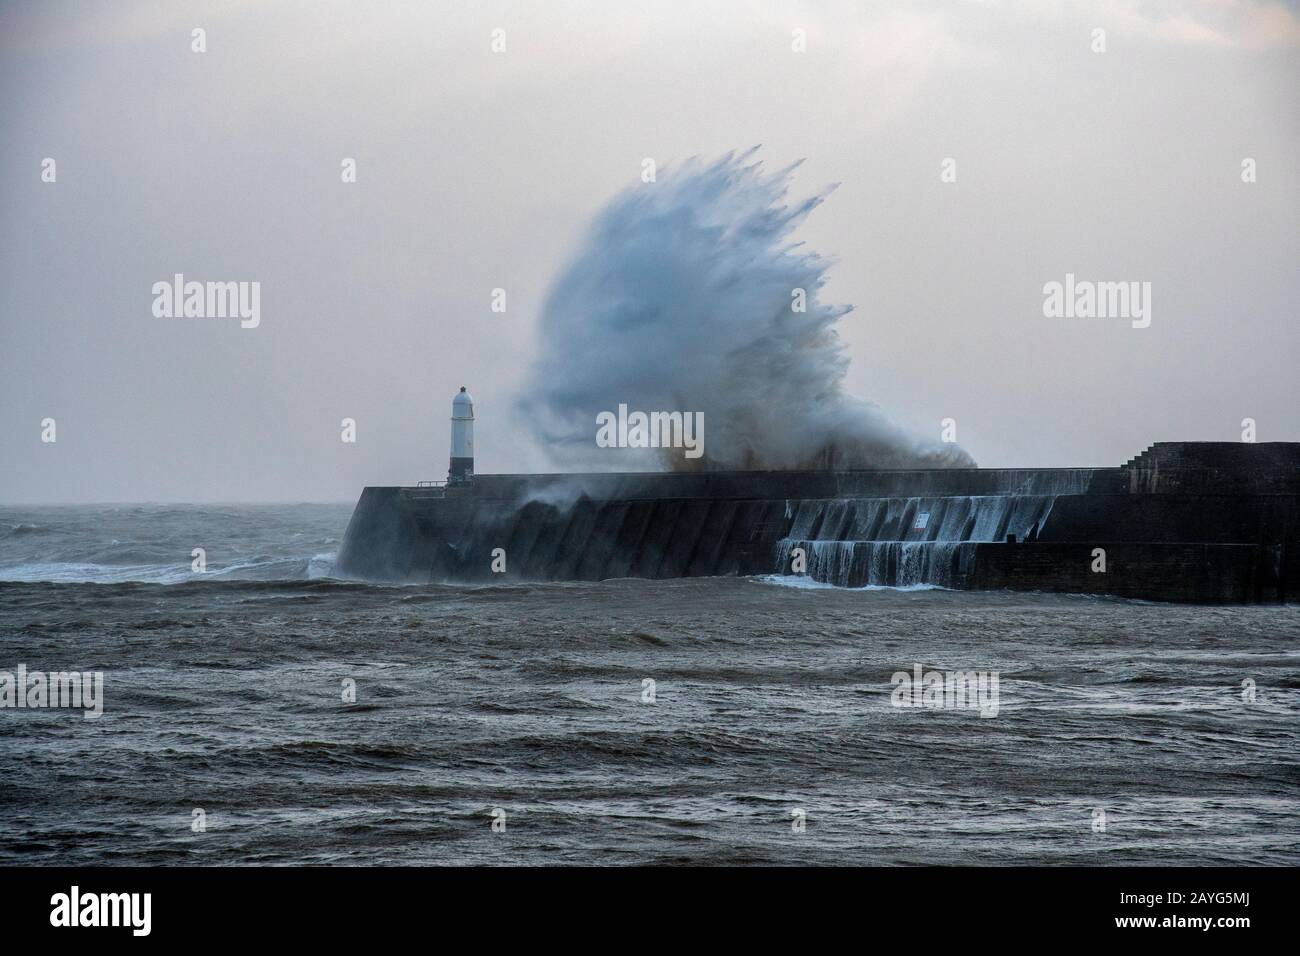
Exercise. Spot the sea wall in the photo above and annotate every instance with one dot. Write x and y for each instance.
(1212, 523)
(1187, 573)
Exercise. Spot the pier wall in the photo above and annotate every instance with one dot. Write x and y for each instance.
(1217, 522)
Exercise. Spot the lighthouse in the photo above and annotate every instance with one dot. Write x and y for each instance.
(462, 439)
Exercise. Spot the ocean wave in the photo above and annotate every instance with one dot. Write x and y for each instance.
(305, 568)
(23, 529)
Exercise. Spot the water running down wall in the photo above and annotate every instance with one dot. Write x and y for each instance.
(905, 541)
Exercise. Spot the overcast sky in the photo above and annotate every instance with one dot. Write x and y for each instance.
(479, 170)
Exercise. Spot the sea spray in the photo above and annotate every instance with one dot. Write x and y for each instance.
(689, 294)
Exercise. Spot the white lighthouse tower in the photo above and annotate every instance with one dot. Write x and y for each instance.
(462, 439)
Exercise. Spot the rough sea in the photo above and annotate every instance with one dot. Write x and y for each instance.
(514, 724)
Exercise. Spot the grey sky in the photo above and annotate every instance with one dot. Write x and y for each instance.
(479, 170)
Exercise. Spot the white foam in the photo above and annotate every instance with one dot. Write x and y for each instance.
(315, 567)
(806, 583)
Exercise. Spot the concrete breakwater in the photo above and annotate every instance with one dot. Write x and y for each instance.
(1202, 522)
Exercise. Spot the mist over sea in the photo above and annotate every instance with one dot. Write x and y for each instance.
(223, 692)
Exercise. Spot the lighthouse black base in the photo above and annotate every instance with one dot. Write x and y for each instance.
(461, 471)
(1204, 522)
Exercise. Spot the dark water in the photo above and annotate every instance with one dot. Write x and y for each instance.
(223, 692)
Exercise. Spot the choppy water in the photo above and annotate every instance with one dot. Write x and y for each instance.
(223, 692)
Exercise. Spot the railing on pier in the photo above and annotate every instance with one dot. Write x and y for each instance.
(426, 489)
